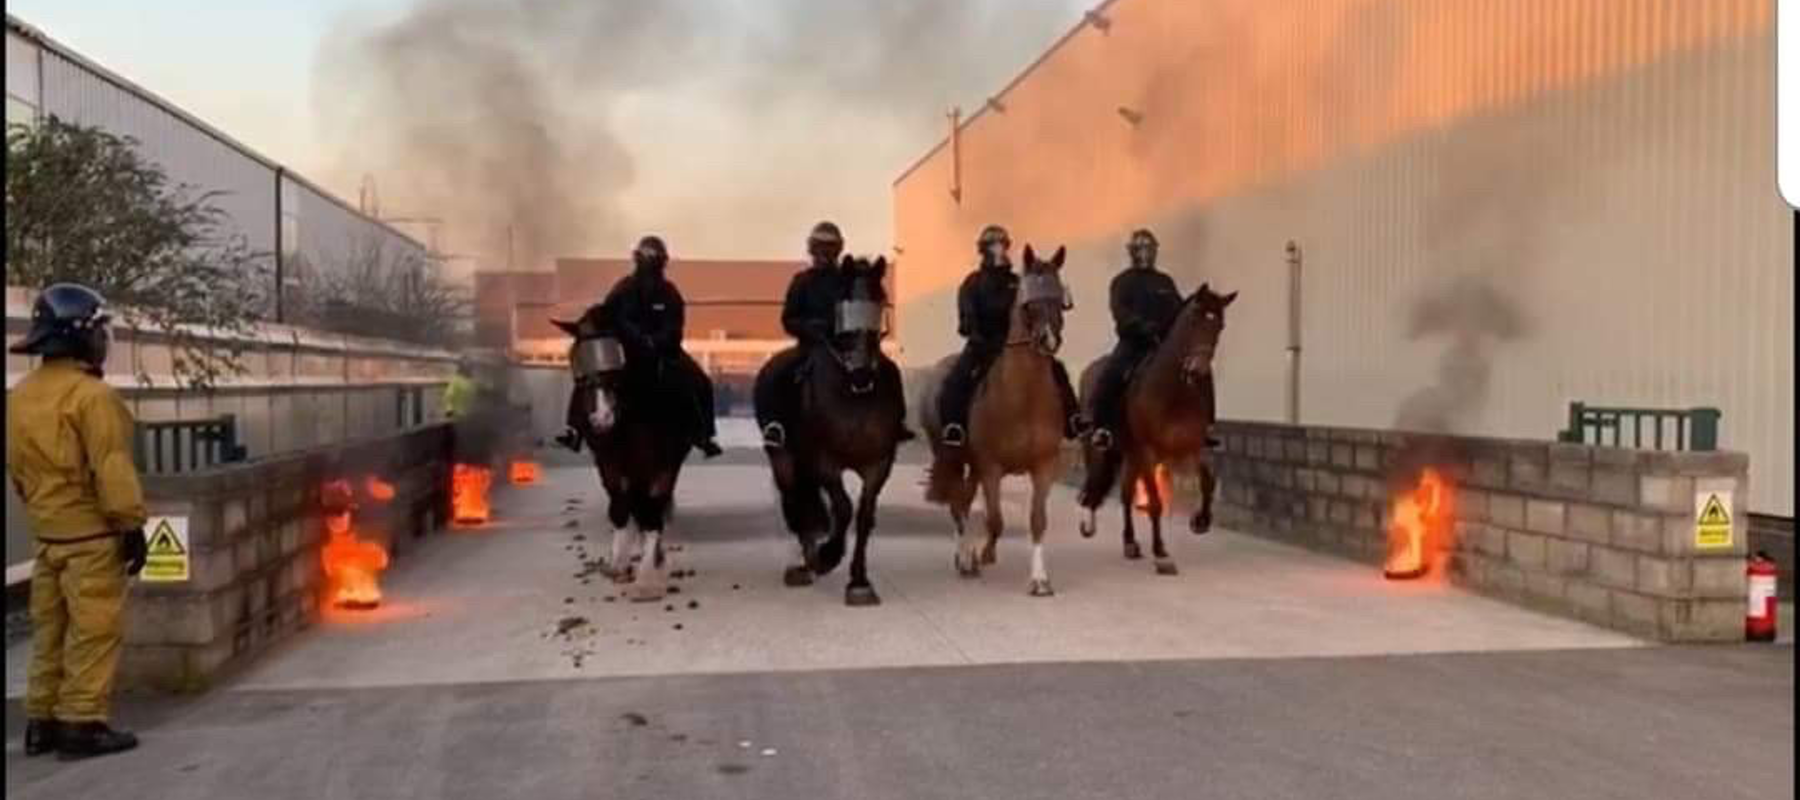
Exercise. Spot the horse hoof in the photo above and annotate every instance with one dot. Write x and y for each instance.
(1200, 524)
(639, 593)
(969, 570)
(1133, 552)
(1087, 529)
(1166, 567)
(829, 557)
(1041, 589)
(989, 556)
(861, 597)
(797, 576)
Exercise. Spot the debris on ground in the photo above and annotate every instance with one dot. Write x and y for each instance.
(677, 626)
(736, 587)
(566, 624)
(574, 523)
(693, 604)
(637, 720)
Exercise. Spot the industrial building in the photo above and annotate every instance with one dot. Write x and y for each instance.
(305, 229)
(1588, 190)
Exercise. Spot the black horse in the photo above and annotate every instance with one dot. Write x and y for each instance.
(849, 420)
(639, 442)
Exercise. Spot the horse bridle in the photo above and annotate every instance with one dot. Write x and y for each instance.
(857, 317)
(1040, 289)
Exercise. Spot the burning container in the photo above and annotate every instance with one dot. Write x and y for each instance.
(352, 564)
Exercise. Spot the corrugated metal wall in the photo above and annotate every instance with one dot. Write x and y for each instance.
(327, 229)
(1601, 171)
(188, 155)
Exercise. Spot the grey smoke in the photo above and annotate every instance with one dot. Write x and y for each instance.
(1476, 318)
(546, 115)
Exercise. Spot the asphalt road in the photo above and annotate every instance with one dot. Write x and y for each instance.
(1630, 723)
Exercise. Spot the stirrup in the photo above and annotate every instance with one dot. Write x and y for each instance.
(1101, 439)
(1077, 426)
(955, 436)
(570, 438)
(774, 436)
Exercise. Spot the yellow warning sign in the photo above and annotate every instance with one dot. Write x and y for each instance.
(1712, 520)
(167, 561)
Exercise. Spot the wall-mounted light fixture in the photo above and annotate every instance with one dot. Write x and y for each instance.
(995, 104)
(1131, 116)
(1101, 22)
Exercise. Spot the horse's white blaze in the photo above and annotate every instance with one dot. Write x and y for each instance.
(602, 416)
(1038, 573)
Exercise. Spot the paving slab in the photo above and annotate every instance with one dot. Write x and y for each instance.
(484, 604)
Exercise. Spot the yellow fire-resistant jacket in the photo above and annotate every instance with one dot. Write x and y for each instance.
(68, 451)
(459, 396)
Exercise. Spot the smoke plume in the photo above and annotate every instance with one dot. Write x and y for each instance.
(549, 128)
(1475, 318)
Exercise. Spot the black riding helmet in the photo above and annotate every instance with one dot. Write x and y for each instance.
(67, 321)
(1142, 248)
(992, 237)
(650, 253)
(825, 243)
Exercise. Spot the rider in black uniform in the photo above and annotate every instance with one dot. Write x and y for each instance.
(810, 316)
(984, 305)
(650, 315)
(1145, 302)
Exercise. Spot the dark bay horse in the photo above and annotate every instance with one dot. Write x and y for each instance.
(1015, 424)
(1169, 412)
(849, 421)
(639, 441)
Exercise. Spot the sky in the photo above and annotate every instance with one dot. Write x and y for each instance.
(727, 126)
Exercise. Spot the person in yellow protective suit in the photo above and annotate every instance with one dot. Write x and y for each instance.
(459, 393)
(68, 453)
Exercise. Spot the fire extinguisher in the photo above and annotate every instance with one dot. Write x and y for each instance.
(1759, 624)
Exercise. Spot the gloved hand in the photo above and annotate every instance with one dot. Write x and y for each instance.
(134, 550)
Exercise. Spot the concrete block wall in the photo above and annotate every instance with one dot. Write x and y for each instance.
(255, 533)
(1599, 534)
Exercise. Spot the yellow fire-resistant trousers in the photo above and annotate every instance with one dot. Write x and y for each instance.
(77, 629)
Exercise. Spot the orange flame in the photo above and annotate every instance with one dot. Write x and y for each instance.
(379, 489)
(351, 565)
(1417, 527)
(524, 473)
(1161, 476)
(468, 494)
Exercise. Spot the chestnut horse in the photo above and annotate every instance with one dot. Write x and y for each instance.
(1168, 414)
(1015, 425)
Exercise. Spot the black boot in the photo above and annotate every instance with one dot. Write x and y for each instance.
(42, 736)
(81, 740)
(570, 438)
(708, 448)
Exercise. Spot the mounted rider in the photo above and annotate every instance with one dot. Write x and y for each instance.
(1145, 302)
(651, 315)
(984, 305)
(809, 314)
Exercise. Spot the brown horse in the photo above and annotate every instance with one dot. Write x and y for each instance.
(1015, 425)
(1169, 412)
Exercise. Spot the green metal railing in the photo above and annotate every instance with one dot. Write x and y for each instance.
(1693, 429)
(189, 445)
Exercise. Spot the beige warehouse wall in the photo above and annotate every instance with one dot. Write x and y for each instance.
(1601, 173)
